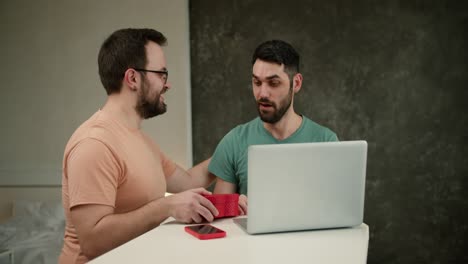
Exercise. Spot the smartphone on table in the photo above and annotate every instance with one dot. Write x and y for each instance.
(205, 231)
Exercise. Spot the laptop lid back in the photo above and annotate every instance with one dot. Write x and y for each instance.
(306, 186)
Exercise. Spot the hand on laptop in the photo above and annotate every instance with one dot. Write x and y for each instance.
(242, 204)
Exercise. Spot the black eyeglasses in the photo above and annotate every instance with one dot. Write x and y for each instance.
(165, 73)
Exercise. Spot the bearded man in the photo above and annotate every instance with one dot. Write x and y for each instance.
(275, 81)
(114, 176)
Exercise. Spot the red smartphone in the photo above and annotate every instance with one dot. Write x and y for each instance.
(205, 231)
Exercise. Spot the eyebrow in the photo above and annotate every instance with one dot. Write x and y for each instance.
(274, 76)
(158, 69)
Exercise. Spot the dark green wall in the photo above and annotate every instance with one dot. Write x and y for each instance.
(394, 73)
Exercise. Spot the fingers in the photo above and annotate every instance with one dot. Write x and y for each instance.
(243, 204)
(203, 209)
(201, 191)
(191, 206)
(196, 218)
(205, 213)
(243, 197)
(207, 204)
(244, 209)
(241, 210)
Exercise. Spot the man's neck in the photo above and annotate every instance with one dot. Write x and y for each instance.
(118, 107)
(285, 127)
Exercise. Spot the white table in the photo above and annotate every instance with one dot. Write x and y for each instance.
(169, 243)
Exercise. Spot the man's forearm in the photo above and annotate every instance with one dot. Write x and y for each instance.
(114, 230)
(201, 177)
(196, 177)
(223, 186)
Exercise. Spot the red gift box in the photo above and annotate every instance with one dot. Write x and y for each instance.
(227, 204)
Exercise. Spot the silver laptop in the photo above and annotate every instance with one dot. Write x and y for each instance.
(305, 186)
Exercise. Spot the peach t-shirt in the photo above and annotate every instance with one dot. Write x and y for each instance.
(108, 163)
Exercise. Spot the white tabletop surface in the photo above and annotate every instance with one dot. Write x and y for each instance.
(169, 243)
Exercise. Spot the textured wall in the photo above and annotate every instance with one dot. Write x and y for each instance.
(394, 73)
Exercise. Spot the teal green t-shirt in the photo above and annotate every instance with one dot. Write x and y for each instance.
(229, 161)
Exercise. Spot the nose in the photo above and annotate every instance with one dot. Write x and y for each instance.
(263, 91)
(168, 85)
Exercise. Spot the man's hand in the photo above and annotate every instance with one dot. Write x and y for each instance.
(243, 204)
(190, 206)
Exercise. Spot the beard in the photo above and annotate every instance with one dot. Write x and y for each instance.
(278, 110)
(149, 107)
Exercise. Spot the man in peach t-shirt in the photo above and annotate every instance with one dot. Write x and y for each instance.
(114, 176)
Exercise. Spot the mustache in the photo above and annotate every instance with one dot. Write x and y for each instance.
(265, 101)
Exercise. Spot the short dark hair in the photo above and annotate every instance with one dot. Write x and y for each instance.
(279, 52)
(124, 49)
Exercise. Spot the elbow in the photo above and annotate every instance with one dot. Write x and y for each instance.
(90, 248)
(211, 179)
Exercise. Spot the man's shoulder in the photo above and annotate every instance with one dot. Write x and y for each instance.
(244, 130)
(95, 128)
(318, 129)
(248, 126)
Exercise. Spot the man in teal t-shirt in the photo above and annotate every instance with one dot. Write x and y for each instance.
(275, 81)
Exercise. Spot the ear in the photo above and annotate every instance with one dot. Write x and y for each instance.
(297, 82)
(131, 79)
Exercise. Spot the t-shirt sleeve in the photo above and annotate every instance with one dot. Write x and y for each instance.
(332, 136)
(222, 162)
(93, 174)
